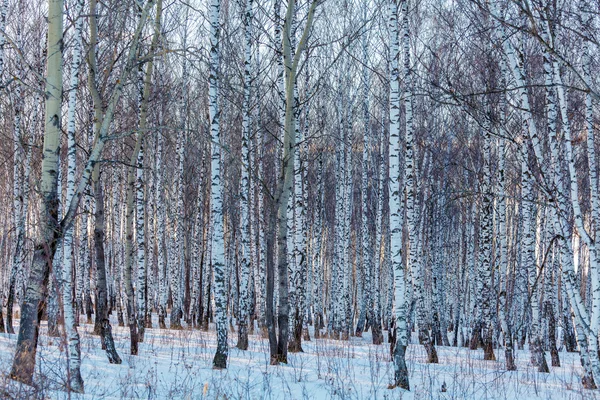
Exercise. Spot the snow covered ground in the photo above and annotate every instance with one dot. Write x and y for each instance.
(177, 365)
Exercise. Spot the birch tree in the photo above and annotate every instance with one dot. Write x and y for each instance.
(74, 351)
(284, 184)
(19, 213)
(216, 199)
(24, 361)
(245, 198)
(400, 306)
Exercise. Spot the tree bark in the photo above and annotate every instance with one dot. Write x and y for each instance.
(34, 302)
(102, 318)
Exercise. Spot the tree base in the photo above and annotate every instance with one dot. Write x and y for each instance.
(377, 334)
(282, 358)
(400, 369)
(242, 343)
(295, 346)
(176, 325)
(21, 378)
(97, 328)
(432, 357)
(220, 361)
(108, 341)
(264, 332)
(588, 382)
(76, 383)
(510, 361)
(554, 357)
(305, 335)
(488, 352)
(543, 365)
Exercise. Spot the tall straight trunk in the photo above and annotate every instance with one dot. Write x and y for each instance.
(260, 279)
(19, 211)
(317, 250)
(177, 267)
(113, 239)
(504, 270)
(594, 200)
(34, 302)
(365, 251)
(53, 310)
(260, 225)
(485, 251)
(339, 251)
(345, 300)
(150, 228)
(395, 198)
(74, 351)
(83, 256)
(3, 11)
(216, 195)
(502, 240)
(129, 253)
(102, 318)
(207, 267)
(198, 254)
(140, 244)
(299, 270)
(270, 205)
(246, 205)
(160, 232)
(270, 257)
(549, 305)
(375, 322)
(304, 239)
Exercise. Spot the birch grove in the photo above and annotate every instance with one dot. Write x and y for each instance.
(291, 173)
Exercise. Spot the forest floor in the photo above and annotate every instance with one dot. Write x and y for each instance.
(178, 365)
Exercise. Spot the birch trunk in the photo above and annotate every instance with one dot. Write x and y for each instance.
(365, 252)
(218, 243)
(160, 228)
(375, 323)
(246, 205)
(33, 304)
(74, 351)
(19, 213)
(395, 199)
(140, 241)
(485, 250)
(177, 267)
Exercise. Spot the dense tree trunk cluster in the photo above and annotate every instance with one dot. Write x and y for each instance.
(317, 167)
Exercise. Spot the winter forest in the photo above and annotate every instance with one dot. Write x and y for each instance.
(290, 199)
